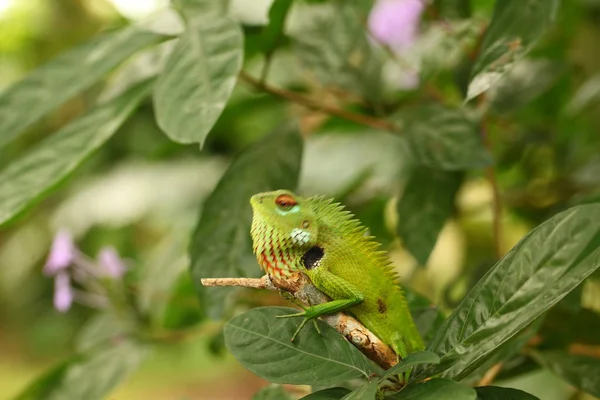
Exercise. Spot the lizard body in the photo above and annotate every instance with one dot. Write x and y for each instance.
(319, 238)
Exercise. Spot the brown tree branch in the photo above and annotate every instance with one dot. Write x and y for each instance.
(299, 286)
(315, 105)
(491, 374)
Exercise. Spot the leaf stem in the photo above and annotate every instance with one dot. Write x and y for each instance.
(491, 177)
(315, 105)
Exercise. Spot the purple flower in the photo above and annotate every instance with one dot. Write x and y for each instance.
(395, 23)
(110, 261)
(63, 292)
(62, 253)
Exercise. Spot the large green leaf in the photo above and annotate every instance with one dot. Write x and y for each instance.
(53, 83)
(91, 375)
(332, 44)
(580, 371)
(426, 204)
(327, 394)
(261, 342)
(198, 78)
(436, 389)
(537, 273)
(515, 29)
(500, 393)
(444, 138)
(221, 245)
(27, 179)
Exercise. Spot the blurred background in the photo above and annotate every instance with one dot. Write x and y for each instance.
(141, 193)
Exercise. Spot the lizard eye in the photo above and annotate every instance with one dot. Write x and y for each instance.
(285, 202)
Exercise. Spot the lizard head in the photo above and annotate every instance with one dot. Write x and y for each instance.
(283, 227)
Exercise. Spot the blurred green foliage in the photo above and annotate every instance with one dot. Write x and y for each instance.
(147, 125)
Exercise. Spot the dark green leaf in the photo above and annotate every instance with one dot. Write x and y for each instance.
(327, 394)
(537, 273)
(89, 376)
(333, 45)
(500, 393)
(271, 34)
(562, 328)
(444, 138)
(272, 392)
(515, 29)
(53, 83)
(221, 245)
(423, 209)
(436, 389)
(198, 78)
(368, 391)
(182, 310)
(261, 342)
(579, 370)
(27, 179)
(505, 353)
(422, 357)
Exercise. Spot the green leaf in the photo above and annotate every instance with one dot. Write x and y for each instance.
(53, 83)
(332, 44)
(579, 370)
(422, 357)
(89, 376)
(221, 244)
(515, 29)
(182, 309)
(368, 391)
(423, 209)
(272, 392)
(261, 343)
(198, 78)
(444, 138)
(271, 34)
(501, 393)
(27, 179)
(436, 389)
(328, 394)
(537, 273)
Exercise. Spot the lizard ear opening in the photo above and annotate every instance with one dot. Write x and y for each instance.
(285, 202)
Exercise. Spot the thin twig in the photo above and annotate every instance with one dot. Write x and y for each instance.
(299, 286)
(491, 176)
(315, 105)
(491, 374)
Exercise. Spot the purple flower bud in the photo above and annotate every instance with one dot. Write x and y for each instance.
(395, 23)
(63, 292)
(111, 263)
(62, 253)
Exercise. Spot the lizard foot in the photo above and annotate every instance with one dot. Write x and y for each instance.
(308, 316)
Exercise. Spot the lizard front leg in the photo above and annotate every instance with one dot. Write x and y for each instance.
(343, 293)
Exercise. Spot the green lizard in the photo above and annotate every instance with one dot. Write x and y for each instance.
(319, 238)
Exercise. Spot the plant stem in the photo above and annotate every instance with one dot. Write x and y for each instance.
(315, 105)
